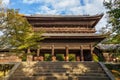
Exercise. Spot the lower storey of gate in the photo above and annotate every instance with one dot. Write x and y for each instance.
(63, 55)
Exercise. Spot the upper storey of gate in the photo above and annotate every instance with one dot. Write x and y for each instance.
(64, 24)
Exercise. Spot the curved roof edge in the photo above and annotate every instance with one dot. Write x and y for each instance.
(41, 15)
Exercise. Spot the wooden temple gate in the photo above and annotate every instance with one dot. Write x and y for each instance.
(66, 35)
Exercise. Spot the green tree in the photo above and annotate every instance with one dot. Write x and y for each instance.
(2, 15)
(113, 11)
(17, 32)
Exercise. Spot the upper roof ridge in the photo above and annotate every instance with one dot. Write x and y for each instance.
(48, 15)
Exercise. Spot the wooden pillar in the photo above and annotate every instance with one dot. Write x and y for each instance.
(67, 53)
(91, 51)
(28, 50)
(77, 58)
(52, 47)
(38, 52)
(53, 58)
(81, 52)
(29, 57)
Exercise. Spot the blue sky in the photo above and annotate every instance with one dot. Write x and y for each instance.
(59, 7)
(62, 7)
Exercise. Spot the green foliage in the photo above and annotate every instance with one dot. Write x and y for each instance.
(113, 12)
(47, 57)
(2, 16)
(5, 68)
(72, 57)
(22, 56)
(60, 57)
(113, 66)
(115, 69)
(116, 53)
(95, 58)
(115, 39)
(18, 33)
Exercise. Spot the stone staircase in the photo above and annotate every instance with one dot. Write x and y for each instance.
(59, 71)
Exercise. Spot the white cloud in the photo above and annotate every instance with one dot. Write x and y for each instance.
(72, 6)
(93, 7)
(30, 1)
(5, 3)
(66, 4)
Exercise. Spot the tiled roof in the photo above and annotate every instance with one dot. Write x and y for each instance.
(108, 46)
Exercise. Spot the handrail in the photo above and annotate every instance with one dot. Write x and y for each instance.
(12, 70)
(109, 74)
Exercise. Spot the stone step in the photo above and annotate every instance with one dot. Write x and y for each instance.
(92, 78)
(61, 63)
(70, 67)
(63, 67)
(59, 71)
(39, 78)
(19, 72)
(69, 70)
(65, 64)
(72, 63)
(88, 74)
(70, 74)
(59, 78)
(60, 74)
(96, 71)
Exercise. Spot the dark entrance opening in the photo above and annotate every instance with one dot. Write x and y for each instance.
(87, 55)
